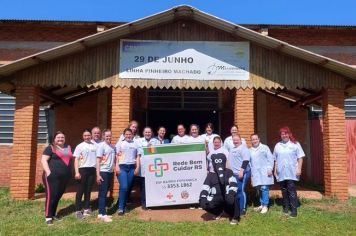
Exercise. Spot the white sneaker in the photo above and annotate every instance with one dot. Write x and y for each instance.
(105, 218)
(258, 208)
(87, 212)
(100, 215)
(264, 210)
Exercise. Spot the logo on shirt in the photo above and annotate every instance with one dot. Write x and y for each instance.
(158, 167)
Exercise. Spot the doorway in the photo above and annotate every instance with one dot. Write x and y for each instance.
(171, 118)
(170, 107)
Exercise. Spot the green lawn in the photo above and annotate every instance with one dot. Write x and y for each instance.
(325, 217)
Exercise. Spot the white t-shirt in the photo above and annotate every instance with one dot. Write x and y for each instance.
(180, 139)
(228, 143)
(136, 138)
(107, 154)
(127, 152)
(86, 154)
(198, 139)
(209, 140)
(143, 142)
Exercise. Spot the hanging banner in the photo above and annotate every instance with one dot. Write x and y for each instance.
(194, 60)
(174, 173)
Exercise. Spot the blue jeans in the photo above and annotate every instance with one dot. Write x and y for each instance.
(125, 179)
(103, 190)
(241, 194)
(263, 191)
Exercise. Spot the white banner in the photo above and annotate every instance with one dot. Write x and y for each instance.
(174, 173)
(196, 60)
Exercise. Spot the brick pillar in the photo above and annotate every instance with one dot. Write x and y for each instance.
(244, 112)
(23, 165)
(334, 144)
(121, 112)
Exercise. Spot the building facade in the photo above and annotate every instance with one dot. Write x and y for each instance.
(77, 80)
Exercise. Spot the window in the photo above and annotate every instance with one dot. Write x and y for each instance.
(7, 110)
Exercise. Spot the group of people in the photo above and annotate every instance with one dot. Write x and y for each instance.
(230, 164)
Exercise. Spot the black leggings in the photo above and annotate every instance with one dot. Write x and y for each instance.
(55, 185)
(85, 184)
(233, 210)
(289, 193)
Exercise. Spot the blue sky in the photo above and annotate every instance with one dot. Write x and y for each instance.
(321, 12)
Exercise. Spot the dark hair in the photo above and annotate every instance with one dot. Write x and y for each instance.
(160, 127)
(127, 130)
(55, 135)
(180, 125)
(286, 129)
(86, 130)
(209, 125)
(147, 127)
(217, 137)
(255, 134)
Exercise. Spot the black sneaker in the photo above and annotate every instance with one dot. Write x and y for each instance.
(120, 212)
(242, 212)
(49, 222)
(293, 214)
(285, 211)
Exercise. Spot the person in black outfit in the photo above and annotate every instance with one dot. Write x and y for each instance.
(219, 190)
(57, 165)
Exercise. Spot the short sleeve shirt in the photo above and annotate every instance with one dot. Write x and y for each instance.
(236, 156)
(58, 160)
(86, 154)
(107, 154)
(286, 156)
(198, 139)
(229, 145)
(180, 139)
(127, 152)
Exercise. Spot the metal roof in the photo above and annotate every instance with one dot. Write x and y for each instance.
(179, 12)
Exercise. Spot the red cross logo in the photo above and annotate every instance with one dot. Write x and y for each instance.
(169, 196)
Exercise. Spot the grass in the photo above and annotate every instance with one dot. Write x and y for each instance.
(323, 217)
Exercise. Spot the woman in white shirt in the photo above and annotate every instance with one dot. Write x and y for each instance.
(85, 174)
(105, 163)
(194, 135)
(181, 137)
(288, 156)
(228, 141)
(261, 171)
(217, 148)
(127, 165)
(133, 126)
(209, 136)
(145, 141)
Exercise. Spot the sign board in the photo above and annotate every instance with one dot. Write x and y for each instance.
(174, 173)
(194, 60)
